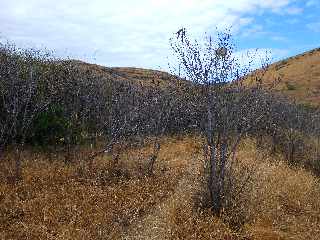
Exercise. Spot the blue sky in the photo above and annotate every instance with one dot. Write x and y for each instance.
(292, 32)
(136, 33)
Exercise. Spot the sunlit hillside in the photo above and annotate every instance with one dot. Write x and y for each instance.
(299, 77)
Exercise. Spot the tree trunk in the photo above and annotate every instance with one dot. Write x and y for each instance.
(1, 151)
(223, 161)
(259, 141)
(214, 188)
(213, 182)
(292, 151)
(18, 170)
(317, 150)
(91, 158)
(68, 155)
(115, 153)
(274, 144)
(154, 156)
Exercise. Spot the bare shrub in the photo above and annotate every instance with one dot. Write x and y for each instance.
(230, 109)
(25, 92)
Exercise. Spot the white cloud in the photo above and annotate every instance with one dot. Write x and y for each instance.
(294, 10)
(253, 30)
(314, 26)
(122, 32)
(312, 3)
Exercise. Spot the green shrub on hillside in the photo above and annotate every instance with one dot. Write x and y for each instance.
(290, 86)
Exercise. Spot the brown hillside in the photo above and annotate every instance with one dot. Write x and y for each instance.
(299, 76)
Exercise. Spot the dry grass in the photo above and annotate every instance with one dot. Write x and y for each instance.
(284, 203)
(57, 201)
(179, 216)
(300, 77)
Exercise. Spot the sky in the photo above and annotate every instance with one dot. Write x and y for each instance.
(136, 33)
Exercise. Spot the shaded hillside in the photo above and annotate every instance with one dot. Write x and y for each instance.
(299, 76)
(142, 76)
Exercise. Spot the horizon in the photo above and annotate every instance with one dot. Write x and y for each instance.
(118, 34)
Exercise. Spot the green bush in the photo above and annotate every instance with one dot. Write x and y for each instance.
(49, 127)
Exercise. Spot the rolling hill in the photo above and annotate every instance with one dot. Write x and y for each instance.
(145, 77)
(299, 76)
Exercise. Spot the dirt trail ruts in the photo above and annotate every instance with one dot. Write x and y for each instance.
(155, 224)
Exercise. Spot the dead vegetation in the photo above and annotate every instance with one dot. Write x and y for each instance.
(58, 201)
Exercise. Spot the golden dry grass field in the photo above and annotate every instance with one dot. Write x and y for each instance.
(117, 201)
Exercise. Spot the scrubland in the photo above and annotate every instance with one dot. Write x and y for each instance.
(89, 152)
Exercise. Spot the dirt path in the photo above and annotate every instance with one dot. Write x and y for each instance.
(155, 224)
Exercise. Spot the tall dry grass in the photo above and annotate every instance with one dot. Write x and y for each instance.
(283, 202)
(58, 201)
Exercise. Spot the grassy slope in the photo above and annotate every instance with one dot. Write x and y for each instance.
(300, 76)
